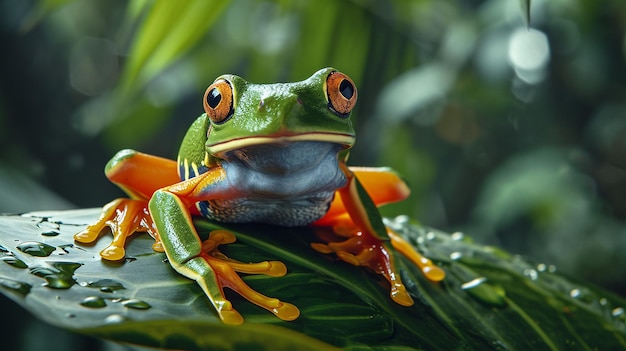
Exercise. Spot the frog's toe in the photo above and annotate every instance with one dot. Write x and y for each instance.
(287, 312)
(87, 236)
(158, 246)
(113, 253)
(363, 249)
(270, 268)
(231, 317)
(399, 295)
(361, 259)
(214, 271)
(226, 272)
(428, 268)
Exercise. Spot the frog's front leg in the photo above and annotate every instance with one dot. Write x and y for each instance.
(139, 175)
(202, 261)
(368, 238)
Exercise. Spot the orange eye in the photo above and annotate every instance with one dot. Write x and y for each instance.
(218, 101)
(341, 93)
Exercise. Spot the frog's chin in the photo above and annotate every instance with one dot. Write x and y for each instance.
(285, 157)
(220, 149)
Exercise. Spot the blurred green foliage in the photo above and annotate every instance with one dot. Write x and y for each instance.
(515, 135)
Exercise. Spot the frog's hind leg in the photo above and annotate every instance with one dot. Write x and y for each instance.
(139, 175)
(356, 217)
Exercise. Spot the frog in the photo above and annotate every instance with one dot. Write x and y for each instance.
(260, 153)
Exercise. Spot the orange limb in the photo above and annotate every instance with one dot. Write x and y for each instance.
(382, 184)
(366, 245)
(139, 175)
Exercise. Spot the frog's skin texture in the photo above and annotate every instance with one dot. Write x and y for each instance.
(271, 153)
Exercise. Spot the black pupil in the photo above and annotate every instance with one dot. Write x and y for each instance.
(214, 98)
(346, 89)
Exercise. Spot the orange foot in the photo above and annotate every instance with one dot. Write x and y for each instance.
(363, 249)
(214, 271)
(124, 217)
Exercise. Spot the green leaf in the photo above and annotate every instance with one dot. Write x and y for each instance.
(525, 7)
(169, 29)
(489, 299)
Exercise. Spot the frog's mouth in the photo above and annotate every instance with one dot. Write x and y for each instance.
(219, 149)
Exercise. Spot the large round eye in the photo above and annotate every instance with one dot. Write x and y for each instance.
(218, 101)
(341, 93)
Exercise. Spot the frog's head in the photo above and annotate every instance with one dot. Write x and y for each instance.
(244, 115)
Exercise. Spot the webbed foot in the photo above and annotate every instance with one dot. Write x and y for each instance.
(124, 217)
(364, 249)
(214, 271)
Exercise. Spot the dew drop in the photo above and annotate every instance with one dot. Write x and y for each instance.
(66, 247)
(114, 319)
(542, 267)
(402, 219)
(35, 248)
(430, 236)
(456, 255)
(619, 314)
(473, 283)
(105, 285)
(489, 294)
(457, 236)
(51, 233)
(136, 304)
(15, 286)
(93, 302)
(13, 261)
(59, 276)
(531, 273)
(581, 294)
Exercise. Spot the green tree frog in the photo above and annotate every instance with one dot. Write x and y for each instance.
(272, 153)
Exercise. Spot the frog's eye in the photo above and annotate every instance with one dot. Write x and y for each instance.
(341, 93)
(218, 101)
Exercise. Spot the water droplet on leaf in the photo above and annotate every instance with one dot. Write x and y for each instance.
(619, 313)
(59, 276)
(583, 295)
(13, 261)
(93, 302)
(531, 273)
(493, 295)
(50, 233)
(35, 248)
(456, 256)
(15, 286)
(114, 318)
(136, 304)
(457, 236)
(105, 285)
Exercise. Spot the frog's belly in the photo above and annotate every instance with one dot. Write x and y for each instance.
(284, 212)
(289, 184)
